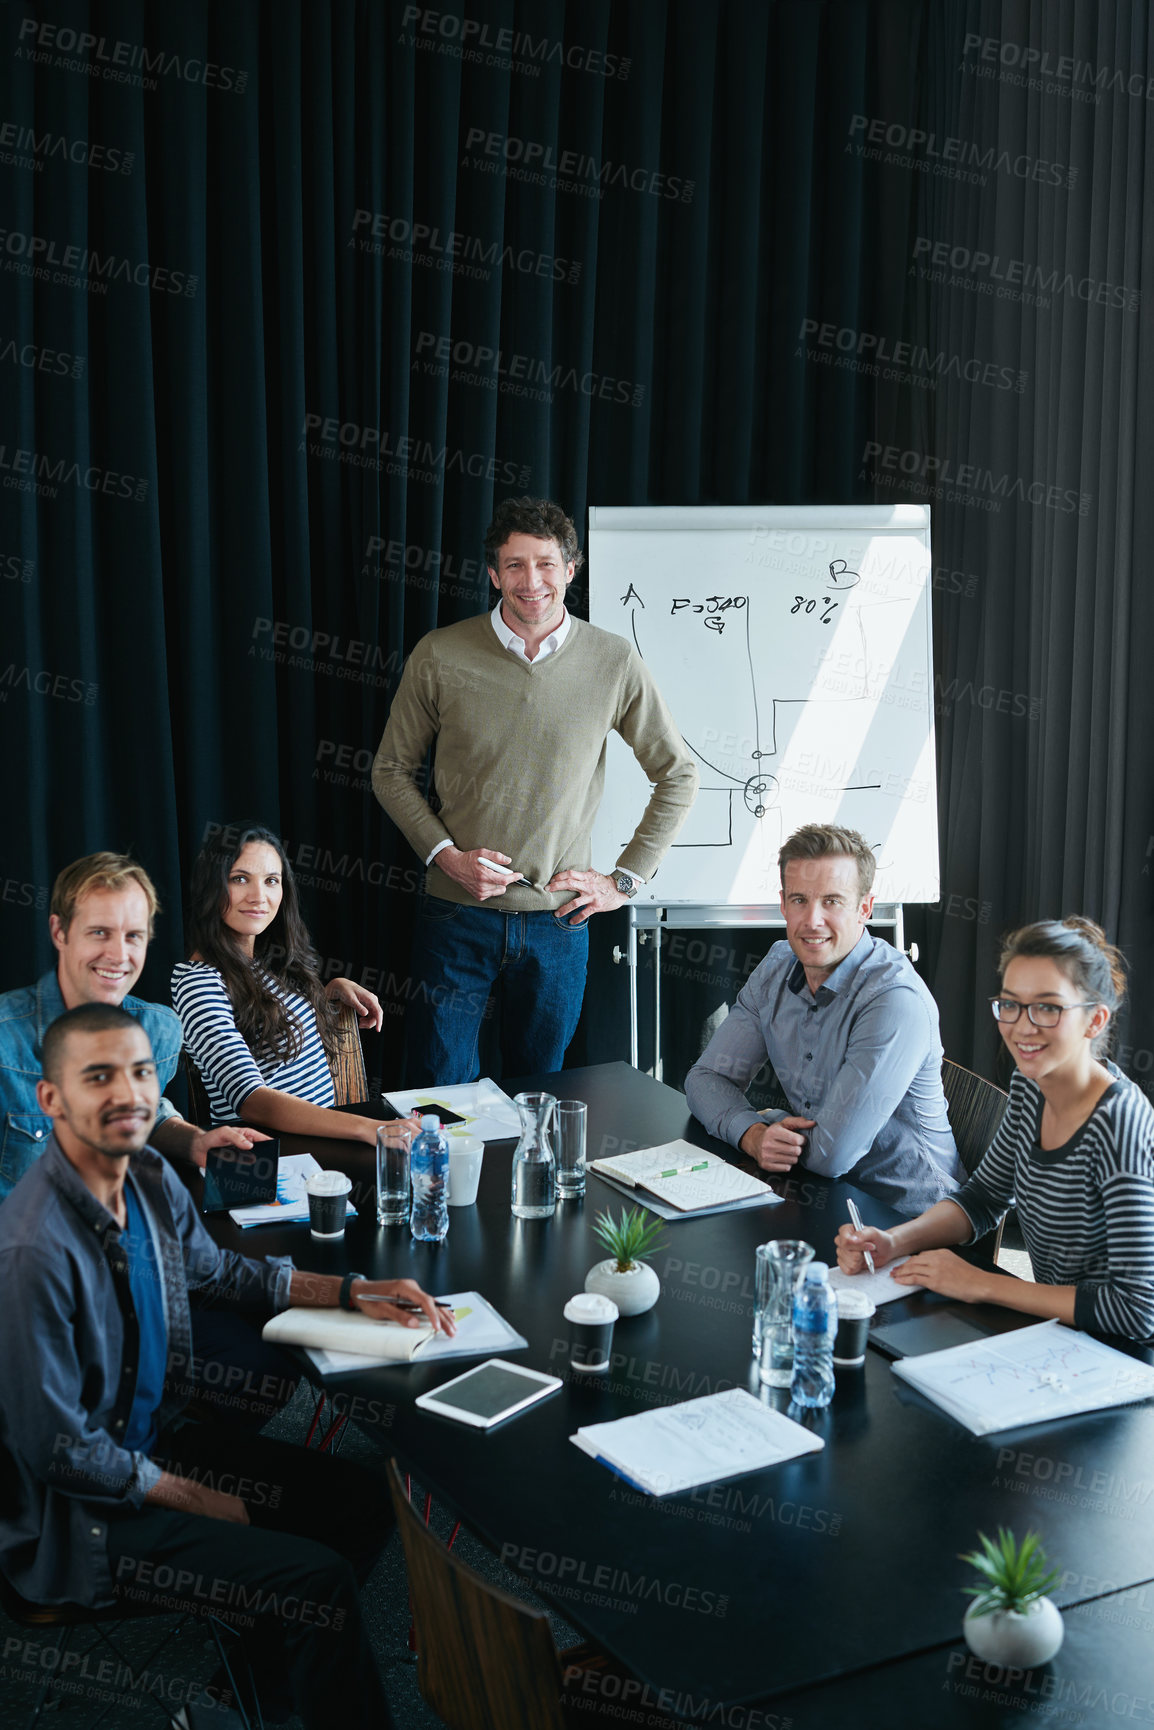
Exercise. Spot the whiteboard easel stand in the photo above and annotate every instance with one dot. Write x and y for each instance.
(654, 918)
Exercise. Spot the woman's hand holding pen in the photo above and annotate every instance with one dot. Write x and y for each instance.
(852, 1245)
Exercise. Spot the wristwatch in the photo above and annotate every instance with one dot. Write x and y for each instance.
(345, 1295)
(626, 885)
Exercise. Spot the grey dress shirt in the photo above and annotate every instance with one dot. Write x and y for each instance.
(863, 1058)
(68, 1333)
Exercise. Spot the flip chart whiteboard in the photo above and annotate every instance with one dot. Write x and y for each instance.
(793, 646)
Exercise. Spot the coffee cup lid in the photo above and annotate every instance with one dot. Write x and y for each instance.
(854, 1303)
(590, 1306)
(328, 1183)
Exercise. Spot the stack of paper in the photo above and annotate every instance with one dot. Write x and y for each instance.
(685, 1177)
(1026, 1377)
(486, 1112)
(292, 1203)
(674, 1449)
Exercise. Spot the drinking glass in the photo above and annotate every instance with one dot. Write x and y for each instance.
(393, 1143)
(572, 1121)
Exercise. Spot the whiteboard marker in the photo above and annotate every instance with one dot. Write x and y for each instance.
(505, 871)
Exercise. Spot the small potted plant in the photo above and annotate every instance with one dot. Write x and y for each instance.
(624, 1277)
(1011, 1621)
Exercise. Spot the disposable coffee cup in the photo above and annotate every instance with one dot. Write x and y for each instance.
(465, 1155)
(854, 1310)
(328, 1203)
(590, 1317)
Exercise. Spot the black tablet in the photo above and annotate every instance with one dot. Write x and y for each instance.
(930, 1333)
(240, 1176)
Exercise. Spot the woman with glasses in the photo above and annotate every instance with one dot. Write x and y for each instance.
(1074, 1154)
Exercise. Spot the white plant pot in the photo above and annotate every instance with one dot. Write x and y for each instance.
(1021, 1641)
(633, 1292)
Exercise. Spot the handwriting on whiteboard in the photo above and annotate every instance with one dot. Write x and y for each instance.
(712, 608)
(821, 605)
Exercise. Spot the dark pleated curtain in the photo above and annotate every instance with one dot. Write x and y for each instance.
(316, 429)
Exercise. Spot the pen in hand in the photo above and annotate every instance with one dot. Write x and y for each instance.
(856, 1222)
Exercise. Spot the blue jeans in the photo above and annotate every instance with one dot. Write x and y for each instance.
(460, 955)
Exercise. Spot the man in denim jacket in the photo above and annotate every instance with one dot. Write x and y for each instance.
(101, 919)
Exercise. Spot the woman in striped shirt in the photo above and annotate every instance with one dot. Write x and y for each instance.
(257, 1020)
(1074, 1154)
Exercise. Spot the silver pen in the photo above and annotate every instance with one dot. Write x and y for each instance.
(856, 1222)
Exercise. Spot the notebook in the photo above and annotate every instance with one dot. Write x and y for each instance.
(335, 1346)
(683, 1176)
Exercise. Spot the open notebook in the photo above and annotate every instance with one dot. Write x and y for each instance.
(338, 1340)
(684, 1176)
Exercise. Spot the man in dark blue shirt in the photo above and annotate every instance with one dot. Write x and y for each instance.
(99, 1248)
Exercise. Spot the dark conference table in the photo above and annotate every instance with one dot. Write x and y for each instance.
(828, 1585)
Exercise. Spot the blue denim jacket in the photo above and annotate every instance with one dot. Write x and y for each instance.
(24, 1017)
(67, 1331)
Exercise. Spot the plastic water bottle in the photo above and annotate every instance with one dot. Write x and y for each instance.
(814, 1325)
(429, 1170)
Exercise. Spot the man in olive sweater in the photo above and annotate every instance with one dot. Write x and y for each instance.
(519, 704)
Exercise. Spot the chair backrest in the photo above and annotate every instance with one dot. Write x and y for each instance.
(350, 1083)
(486, 1661)
(975, 1107)
(198, 1106)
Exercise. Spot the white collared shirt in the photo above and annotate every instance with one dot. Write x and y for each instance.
(516, 645)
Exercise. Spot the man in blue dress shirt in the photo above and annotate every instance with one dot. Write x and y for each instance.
(851, 1033)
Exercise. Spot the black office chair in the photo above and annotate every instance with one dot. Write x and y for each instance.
(975, 1108)
(43, 1618)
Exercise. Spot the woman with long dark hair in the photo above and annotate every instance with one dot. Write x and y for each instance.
(1074, 1154)
(258, 1021)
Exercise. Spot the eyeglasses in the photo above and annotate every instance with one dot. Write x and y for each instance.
(1008, 1009)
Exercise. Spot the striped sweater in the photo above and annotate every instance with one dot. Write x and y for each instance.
(228, 1067)
(1086, 1209)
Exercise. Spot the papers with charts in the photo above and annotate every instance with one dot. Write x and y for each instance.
(677, 1448)
(1026, 1377)
(487, 1112)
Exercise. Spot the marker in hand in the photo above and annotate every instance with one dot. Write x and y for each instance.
(505, 871)
(856, 1222)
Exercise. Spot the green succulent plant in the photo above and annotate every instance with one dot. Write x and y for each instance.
(1014, 1575)
(628, 1238)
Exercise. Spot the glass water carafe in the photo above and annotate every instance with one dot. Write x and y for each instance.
(534, 1168)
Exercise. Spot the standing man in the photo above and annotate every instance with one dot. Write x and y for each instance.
(518, 704)
(851, 1033)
